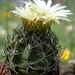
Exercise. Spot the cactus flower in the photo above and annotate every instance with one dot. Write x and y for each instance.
(41, 14)
(66, 54)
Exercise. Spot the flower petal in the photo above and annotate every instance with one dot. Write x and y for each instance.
(40, 4)
(49, 4)
(54, 7)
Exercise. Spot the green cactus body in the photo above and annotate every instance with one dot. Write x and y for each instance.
(32, 53)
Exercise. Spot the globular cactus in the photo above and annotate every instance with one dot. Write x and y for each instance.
(33, 53)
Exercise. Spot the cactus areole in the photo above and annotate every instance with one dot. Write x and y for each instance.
(33, 48)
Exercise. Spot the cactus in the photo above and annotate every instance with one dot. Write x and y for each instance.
(33, 49)
(32, 53)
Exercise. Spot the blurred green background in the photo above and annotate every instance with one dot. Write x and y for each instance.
(65, 31)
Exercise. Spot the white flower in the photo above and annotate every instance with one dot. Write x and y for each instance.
(2, 32)
(54, 12)
(24, 13)
(69, 28)
(42, 11)
(71, 61)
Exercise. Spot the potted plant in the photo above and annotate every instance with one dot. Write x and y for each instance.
(33, 48)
